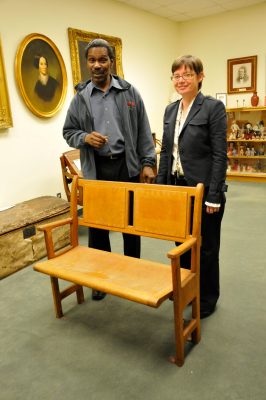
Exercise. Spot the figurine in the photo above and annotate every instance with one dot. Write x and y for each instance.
(252, 151)
(241, 151)
(261, 128)
(230, 149)
(234, 127)
(241, 133)
(232, 135)
(256, 130)
(261, 150)
(248, 131)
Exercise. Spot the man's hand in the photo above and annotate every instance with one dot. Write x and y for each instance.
(96, 139)
(148, 175)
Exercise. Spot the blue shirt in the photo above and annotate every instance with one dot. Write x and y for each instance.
(106, 117)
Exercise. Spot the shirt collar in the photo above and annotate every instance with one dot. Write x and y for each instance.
(113, 84)
(180, 112)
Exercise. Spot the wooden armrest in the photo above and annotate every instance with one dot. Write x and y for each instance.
(182, 248)
(48, 236)
(55, 224)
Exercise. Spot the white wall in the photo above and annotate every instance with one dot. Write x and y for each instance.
(29, 152)
(229, 35)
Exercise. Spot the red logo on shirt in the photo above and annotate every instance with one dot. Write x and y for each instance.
(131, 104)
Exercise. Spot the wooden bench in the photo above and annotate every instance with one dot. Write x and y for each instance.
(159, 211)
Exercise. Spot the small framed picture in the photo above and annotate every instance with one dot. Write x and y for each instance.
(222, 97)
(242, 75)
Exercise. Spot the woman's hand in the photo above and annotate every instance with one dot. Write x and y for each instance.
(211, 210)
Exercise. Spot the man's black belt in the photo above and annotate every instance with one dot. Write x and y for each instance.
(110, 156)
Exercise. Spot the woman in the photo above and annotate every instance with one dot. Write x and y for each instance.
(46, 85)
(194, 150)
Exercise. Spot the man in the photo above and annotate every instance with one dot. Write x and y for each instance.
(107, 121)
(242, 77)
(194, 150)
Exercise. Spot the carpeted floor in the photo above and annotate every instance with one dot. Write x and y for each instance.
(117, 350)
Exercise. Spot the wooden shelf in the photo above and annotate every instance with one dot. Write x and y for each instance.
(246, 176)
(247, 157)
(245, 109)
(247, 140)
(239, 165)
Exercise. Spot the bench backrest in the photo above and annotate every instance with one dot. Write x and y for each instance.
(159, 211)
(70, 166)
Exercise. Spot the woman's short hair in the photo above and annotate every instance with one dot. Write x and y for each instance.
(193, 63)
(100, 43)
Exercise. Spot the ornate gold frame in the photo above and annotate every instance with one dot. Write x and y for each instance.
(5, 111)
(25, 73)
(77, 40)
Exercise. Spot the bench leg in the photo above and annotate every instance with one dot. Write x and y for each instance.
(196, 335)
(59, 296)
(80, 294)
(179, 358)
(56, 297)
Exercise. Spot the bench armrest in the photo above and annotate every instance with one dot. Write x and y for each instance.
(47, 230)
(52, 225)
(182, 248)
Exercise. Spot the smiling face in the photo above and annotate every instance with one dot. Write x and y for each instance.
(43, 66)
(186, 81)
(99, 65)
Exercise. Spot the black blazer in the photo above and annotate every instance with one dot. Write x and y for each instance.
(202, 146)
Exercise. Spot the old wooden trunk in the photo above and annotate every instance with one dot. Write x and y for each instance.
(20, 242)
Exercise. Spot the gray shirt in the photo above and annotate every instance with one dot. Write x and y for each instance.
(106, 117)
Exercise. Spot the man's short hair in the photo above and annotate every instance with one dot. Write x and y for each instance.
(100, 43)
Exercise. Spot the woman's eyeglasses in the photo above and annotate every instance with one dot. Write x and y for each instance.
(185, 77)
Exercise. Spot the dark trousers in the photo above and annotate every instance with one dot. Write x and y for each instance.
(209, 254)
(113, 170)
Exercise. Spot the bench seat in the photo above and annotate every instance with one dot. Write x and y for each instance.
(142, 281)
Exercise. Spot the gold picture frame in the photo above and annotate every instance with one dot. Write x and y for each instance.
(78, 39)
(41, 75)
(5, 111)
(242, 75)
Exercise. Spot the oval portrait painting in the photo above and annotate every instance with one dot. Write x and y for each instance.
(41, 75)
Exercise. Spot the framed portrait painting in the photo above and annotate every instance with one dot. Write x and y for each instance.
(242, 75)
(78, 40)
(41, 75)
(5, 111)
